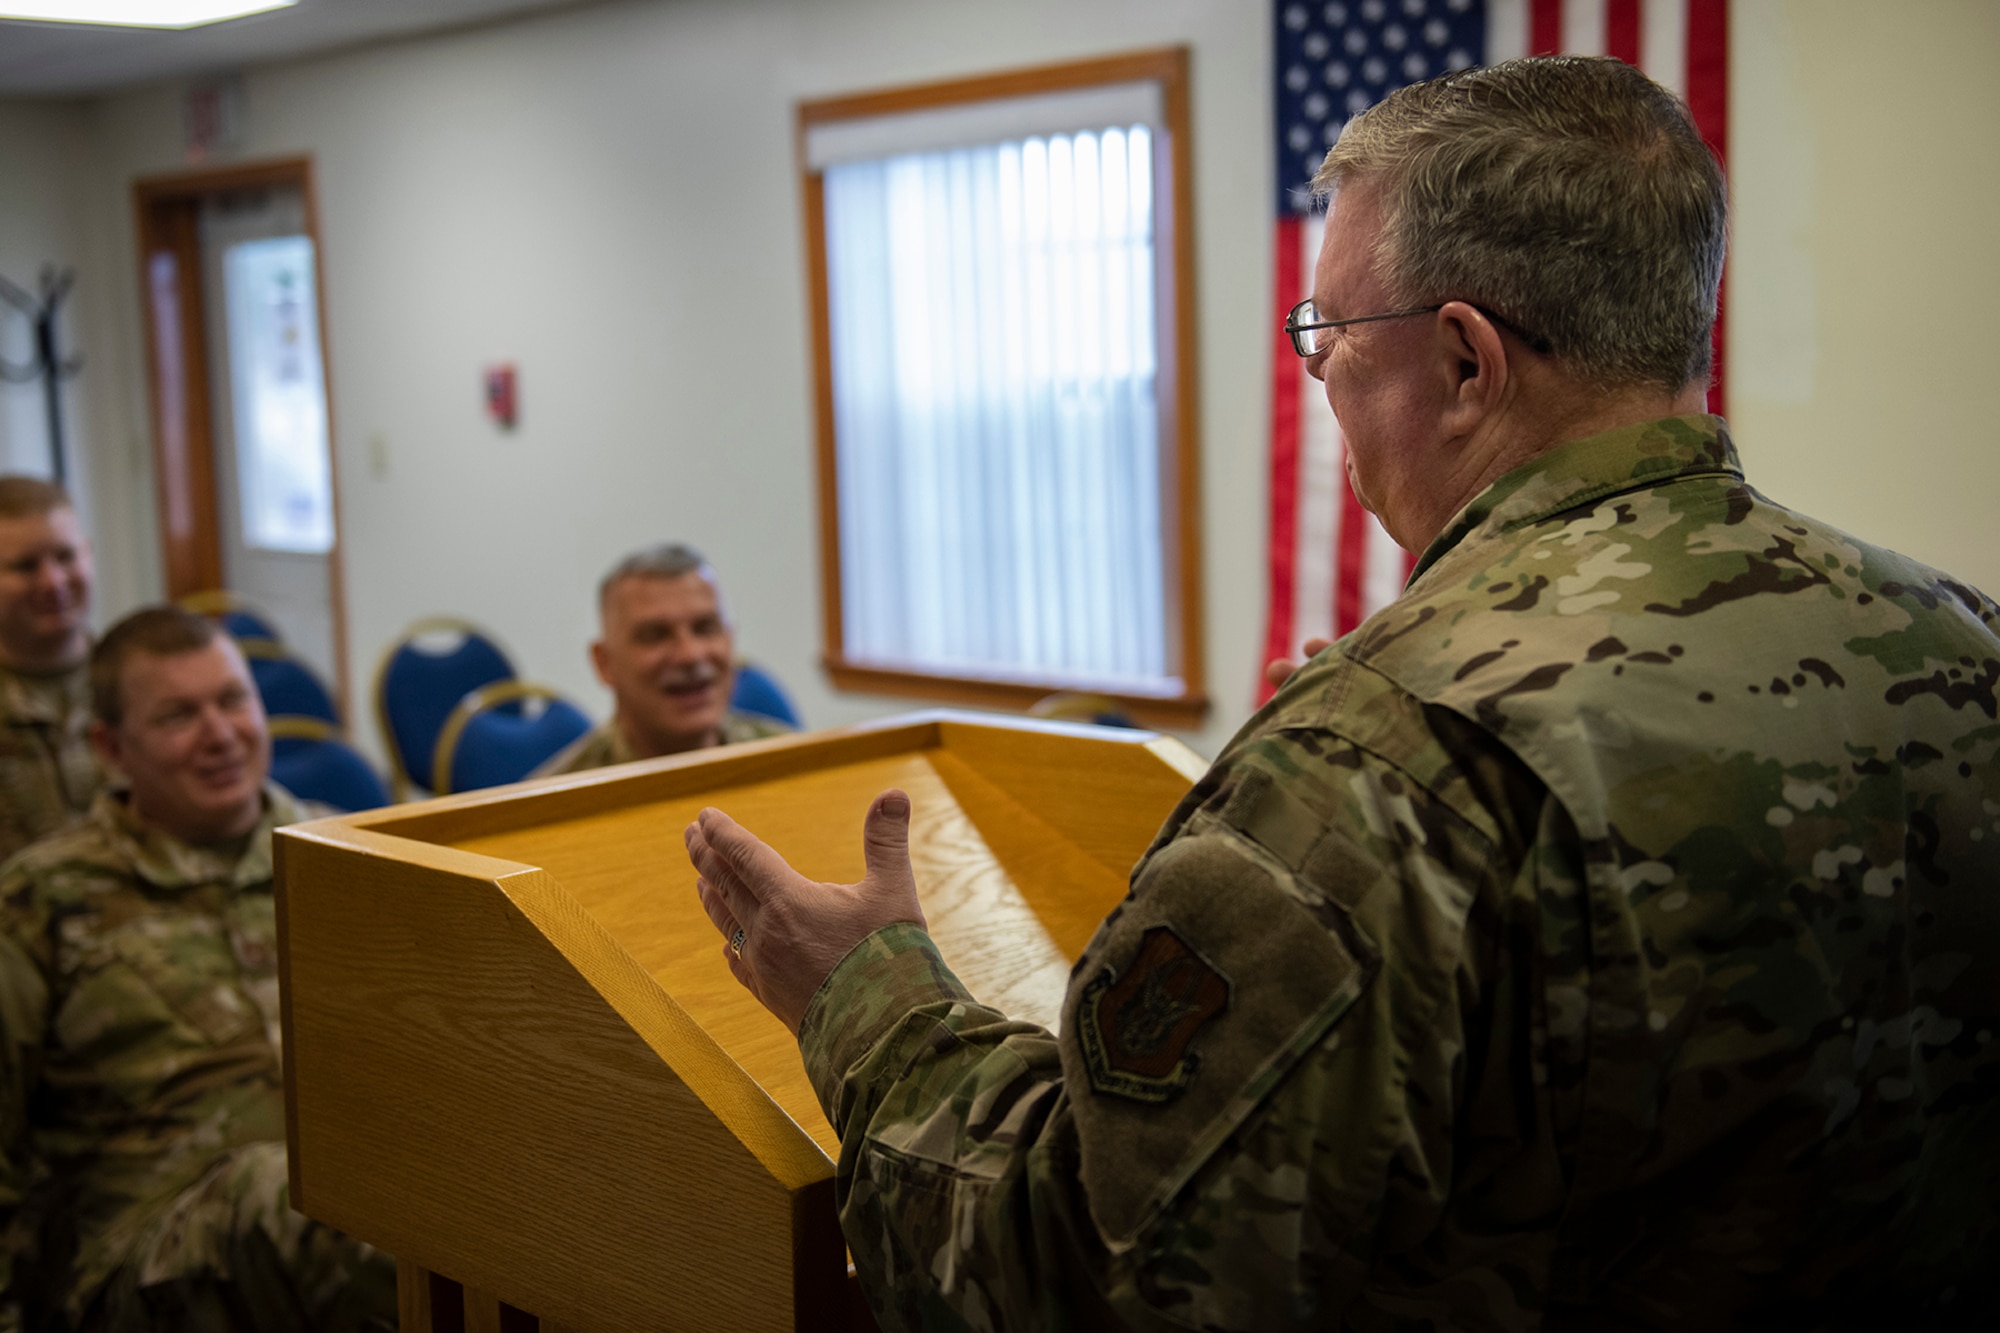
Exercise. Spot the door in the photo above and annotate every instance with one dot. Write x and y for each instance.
(242, 426)
(273, 477)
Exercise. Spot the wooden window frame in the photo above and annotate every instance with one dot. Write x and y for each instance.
(1175, 381)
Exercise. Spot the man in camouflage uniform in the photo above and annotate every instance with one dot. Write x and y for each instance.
(143, 1179)
(47, 774)
(664, 650)
(1603, 936)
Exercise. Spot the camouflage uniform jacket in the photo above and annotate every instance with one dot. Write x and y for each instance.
(605, 744)
(47, 772)
(1602, 936)
(139, 1033)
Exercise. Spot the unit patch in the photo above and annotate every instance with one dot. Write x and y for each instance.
(1135, 1030)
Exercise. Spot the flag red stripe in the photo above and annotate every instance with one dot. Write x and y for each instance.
(1708, 71)
(1708, 98)
(1348, 610)
(1545, 27)
(1284, 545)
(1621, 29)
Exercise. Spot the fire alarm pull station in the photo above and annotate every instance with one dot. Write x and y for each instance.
(501, 398)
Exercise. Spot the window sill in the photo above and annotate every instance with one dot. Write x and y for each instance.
(1182, 711)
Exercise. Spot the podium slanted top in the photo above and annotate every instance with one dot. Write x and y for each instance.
(514, 1053)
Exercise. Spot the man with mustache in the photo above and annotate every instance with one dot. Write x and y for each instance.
(143, 1177)
(47, 774)
(665, 652)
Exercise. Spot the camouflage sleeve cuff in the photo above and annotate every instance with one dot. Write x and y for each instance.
(868, 993)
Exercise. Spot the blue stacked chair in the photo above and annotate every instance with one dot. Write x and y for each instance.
(312, 762)
(501, 733)
(239, 620)
(433, 665)
(287, 686)
(757, 691)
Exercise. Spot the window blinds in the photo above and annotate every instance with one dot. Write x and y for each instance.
(997, 434)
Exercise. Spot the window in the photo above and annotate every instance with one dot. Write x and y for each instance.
(1005, 386)
(283, 474)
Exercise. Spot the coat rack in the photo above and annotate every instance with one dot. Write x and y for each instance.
(48, 366)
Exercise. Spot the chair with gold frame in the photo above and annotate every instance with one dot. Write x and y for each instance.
(501, 733)
(424, 673)
(311, 760)
(238, 618)
(287, 686)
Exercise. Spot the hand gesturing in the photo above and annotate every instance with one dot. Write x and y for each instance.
(794, 930)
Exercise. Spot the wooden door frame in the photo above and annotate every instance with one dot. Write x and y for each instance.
(173, 299)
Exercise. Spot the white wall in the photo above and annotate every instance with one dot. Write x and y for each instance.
(52, 186)
(608, 197)
(1865, 270)
(37, 230)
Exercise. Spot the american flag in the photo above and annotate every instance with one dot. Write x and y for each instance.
(1330, 563)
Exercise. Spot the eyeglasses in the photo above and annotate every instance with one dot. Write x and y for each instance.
(1301, 325)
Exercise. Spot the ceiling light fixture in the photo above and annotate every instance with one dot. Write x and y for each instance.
(137, 13)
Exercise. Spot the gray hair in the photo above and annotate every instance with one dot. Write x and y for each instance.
(668, 560)
(1572, 196)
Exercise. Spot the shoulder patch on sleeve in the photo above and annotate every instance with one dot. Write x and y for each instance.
(1213, 981)
(1134, 1029)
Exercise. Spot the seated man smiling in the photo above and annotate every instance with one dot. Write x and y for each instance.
(143, 1179)
(664, 651)
(47, 775)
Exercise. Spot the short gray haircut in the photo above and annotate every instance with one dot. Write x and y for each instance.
(668, 560)
(1572, 196)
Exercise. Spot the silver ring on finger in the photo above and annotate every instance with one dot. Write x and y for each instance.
(736, 942)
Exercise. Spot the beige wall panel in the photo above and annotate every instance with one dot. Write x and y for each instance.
(1864, 269)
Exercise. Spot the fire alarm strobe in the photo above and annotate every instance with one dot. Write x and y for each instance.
(501, 399)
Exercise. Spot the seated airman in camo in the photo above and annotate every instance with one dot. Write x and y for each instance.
(142, 1116)
(665, 651)
(47, 773)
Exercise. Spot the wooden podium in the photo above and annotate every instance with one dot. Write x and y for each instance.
(516, 1060)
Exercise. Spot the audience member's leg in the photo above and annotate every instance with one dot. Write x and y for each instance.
(229, 1254)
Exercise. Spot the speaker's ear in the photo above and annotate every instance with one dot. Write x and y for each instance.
(1473, 365)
